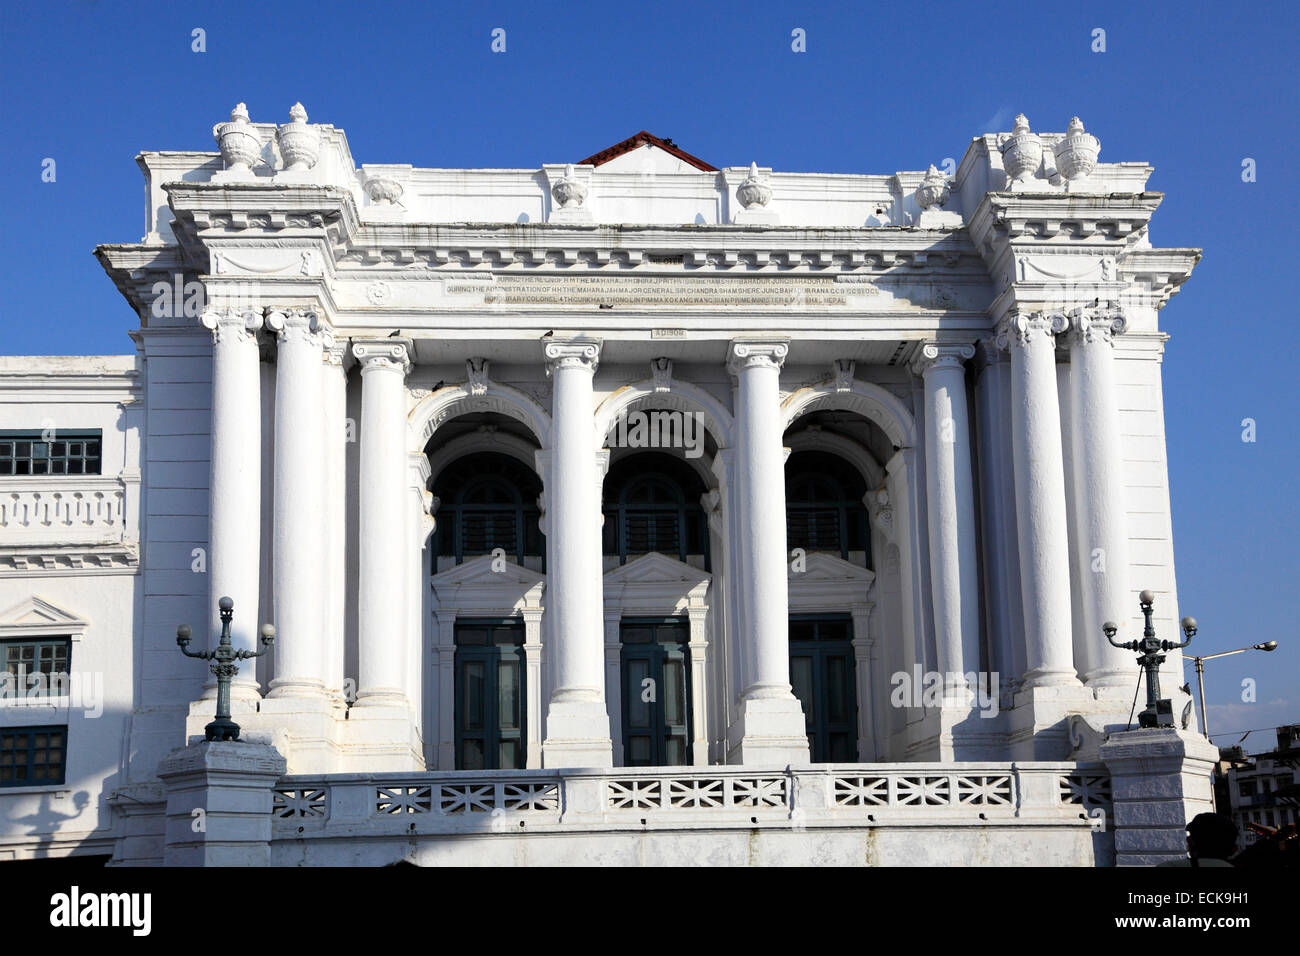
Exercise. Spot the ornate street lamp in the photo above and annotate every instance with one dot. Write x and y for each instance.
(223, 665)
(1200, 667)
(1158, 712)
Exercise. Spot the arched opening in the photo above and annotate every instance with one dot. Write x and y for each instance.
(835, 620)
(487, 557)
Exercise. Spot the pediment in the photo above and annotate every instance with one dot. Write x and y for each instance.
(827, 569)
(656, 568)
(647, 152)
(478, 571)
(35, 615)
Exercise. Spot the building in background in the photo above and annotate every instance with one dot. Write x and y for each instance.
(1263, 788)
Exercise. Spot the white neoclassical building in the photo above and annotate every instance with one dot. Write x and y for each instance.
(631, 494)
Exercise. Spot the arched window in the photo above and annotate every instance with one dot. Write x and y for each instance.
(823, 505)
(488, 501)
(652, 503)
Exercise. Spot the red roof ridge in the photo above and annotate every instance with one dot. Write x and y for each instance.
(644, 138)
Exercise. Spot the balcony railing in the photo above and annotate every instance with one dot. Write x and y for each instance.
(851, 795)
(78, 511)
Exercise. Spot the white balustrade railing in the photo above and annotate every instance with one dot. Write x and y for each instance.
(968, 794)
(81, 510)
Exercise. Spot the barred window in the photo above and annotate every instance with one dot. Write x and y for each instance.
(488, 502)
(652, 504)
(34, 668)
(57, 452)
(30, 756)
(823, 505)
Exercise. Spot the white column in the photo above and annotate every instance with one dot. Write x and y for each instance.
(1099, 486)
(382, 540)
(998, 494)
(577, 725)
(950, 500)
(299, 548)
(772, 719)
(335, 401)
(1040, 496)
(235, 487)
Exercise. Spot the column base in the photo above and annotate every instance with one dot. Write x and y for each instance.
(380, 738)
(1038, 725)
(303, 729)
(577, 735)
(1049, 677)
(959, 730)
(770, 731)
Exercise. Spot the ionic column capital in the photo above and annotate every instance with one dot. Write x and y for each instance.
(387, 354)
(1021, 328)
(1096, 324)
(239, 325)
(756, 353)
(333, 351)
(579, 352)
(939, 355)
(295, 325)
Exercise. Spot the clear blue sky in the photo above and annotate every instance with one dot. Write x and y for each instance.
(1190, 88)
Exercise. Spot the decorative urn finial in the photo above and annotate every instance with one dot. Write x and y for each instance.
(299, 142)
(237, 140)
(1076, 154)
(753, 191)
(1022, 151)
(568, 192)
(933, 190)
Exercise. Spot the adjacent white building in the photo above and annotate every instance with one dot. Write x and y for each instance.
(810, 492)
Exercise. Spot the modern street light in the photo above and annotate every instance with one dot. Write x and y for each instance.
(223, 665)
(1189, 625)
(1154, 715)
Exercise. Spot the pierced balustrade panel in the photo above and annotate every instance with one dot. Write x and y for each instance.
(697, 793)
(403, 800)
(1084, 789)
(484, 797)
(298, 804)
(923, 790)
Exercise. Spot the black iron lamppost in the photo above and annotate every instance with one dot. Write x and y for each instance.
(223, 665)
(1200, 668)
(1158, 712)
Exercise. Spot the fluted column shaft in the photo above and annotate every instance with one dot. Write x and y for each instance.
(954, 577)
(577, 724)
(1102, 538)
(1040, 496)
(235, 485)
(299, 538)
(382, 537)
